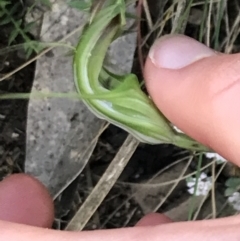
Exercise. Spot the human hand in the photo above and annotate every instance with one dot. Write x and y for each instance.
(198, 91)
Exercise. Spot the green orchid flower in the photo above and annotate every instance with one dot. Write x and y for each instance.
(119, 99)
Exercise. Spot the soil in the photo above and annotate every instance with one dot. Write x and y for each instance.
(13, 112)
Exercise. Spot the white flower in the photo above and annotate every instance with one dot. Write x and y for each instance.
(234, 200)
(219, 158)
(204, 185)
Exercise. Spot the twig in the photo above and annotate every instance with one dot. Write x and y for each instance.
(104, 185)
(209, 24)
(148, 15)
(214, 210)
(139, 36)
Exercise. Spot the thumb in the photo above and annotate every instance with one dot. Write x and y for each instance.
(198, 90)
(23, 199)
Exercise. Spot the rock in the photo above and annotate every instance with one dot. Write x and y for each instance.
(62, 133)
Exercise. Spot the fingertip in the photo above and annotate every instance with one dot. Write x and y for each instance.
(25, 200)
(177, 51)
(200, 95)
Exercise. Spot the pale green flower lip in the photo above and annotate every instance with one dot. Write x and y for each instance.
(177, 129)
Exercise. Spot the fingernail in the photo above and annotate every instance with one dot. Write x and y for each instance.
(178, 51)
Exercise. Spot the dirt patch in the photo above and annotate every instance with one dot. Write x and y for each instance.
(13, 113)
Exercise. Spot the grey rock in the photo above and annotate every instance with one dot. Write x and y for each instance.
(62, 133)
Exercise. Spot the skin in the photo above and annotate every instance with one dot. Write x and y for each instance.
(199, 93)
